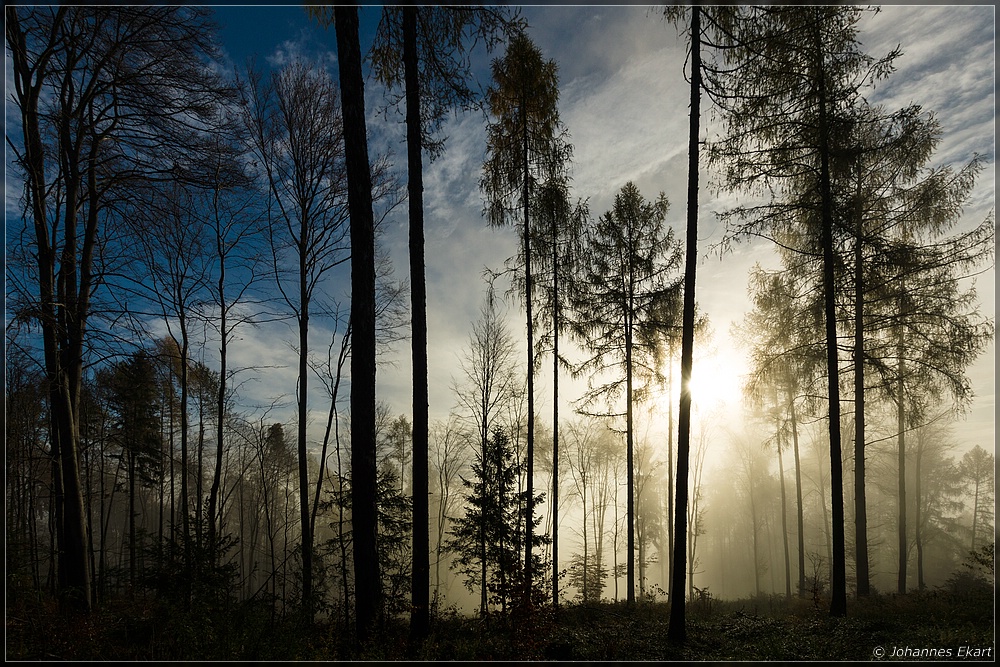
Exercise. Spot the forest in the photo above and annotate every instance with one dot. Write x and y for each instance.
(400, 339)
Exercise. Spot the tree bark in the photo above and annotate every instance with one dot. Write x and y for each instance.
(676, 631)
(363, 467)
(420, 586)
(838, 576)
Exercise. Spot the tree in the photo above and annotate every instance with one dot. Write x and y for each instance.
(977, 468)
(131, 389)
(298, 137)
(781, 332)
(626, 300)
(590, 453)
(24, 421)
(887, 195)
(696, 513)
(557, 237)
(173, 266)
(362, 234)
(798, 71)
(235, 223)
(425, 49)
(105, 95)
(449, 457)
(489, 384)
(394, 543)
(525, 132)
(938, 490)
(677, 629)
(488, 538)
(932, 330)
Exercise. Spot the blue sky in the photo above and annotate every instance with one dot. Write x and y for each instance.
(624, 102)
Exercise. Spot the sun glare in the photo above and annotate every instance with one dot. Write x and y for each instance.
(715, 382)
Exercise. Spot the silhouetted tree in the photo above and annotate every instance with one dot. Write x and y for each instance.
(795, 72)
(524, 134)
(359, 181)
(626, 299)
(298, 136)
(426, 49)
(559, 229)
(106, 97)
(494, 510)
(487, 386)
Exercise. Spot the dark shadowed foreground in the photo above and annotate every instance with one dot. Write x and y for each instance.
(955, 622)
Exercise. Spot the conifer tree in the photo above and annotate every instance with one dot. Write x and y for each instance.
(794, 75)
(427, 50)
(524, 133)
(625, 303)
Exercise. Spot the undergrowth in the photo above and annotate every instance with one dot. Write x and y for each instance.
(762, 628)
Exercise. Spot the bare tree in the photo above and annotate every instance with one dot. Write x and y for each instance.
(449, 451)
(487, 385)
(105, 95)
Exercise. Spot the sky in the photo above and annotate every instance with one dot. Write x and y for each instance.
(624, 101)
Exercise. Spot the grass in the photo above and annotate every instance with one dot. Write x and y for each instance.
(765, 628)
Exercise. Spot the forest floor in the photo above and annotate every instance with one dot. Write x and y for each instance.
(943, 624)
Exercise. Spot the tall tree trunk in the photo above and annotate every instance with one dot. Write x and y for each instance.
(629, 469)
(860, 502)
(185, 493)
(214, 521)
(420, 587)
(917, 528)
(64, 306)
(901, 460)
(838, 576)
(670, 464)
(199, 479)
(303, 412)
(131, 520)
(798, 495)
(555, 425)
(784, 526)
(975, 515)
(676, 631)
(363, 466)
(341, 530)
(529, 510)
(755, 524)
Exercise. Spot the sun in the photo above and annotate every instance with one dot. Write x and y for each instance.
(716, 380)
